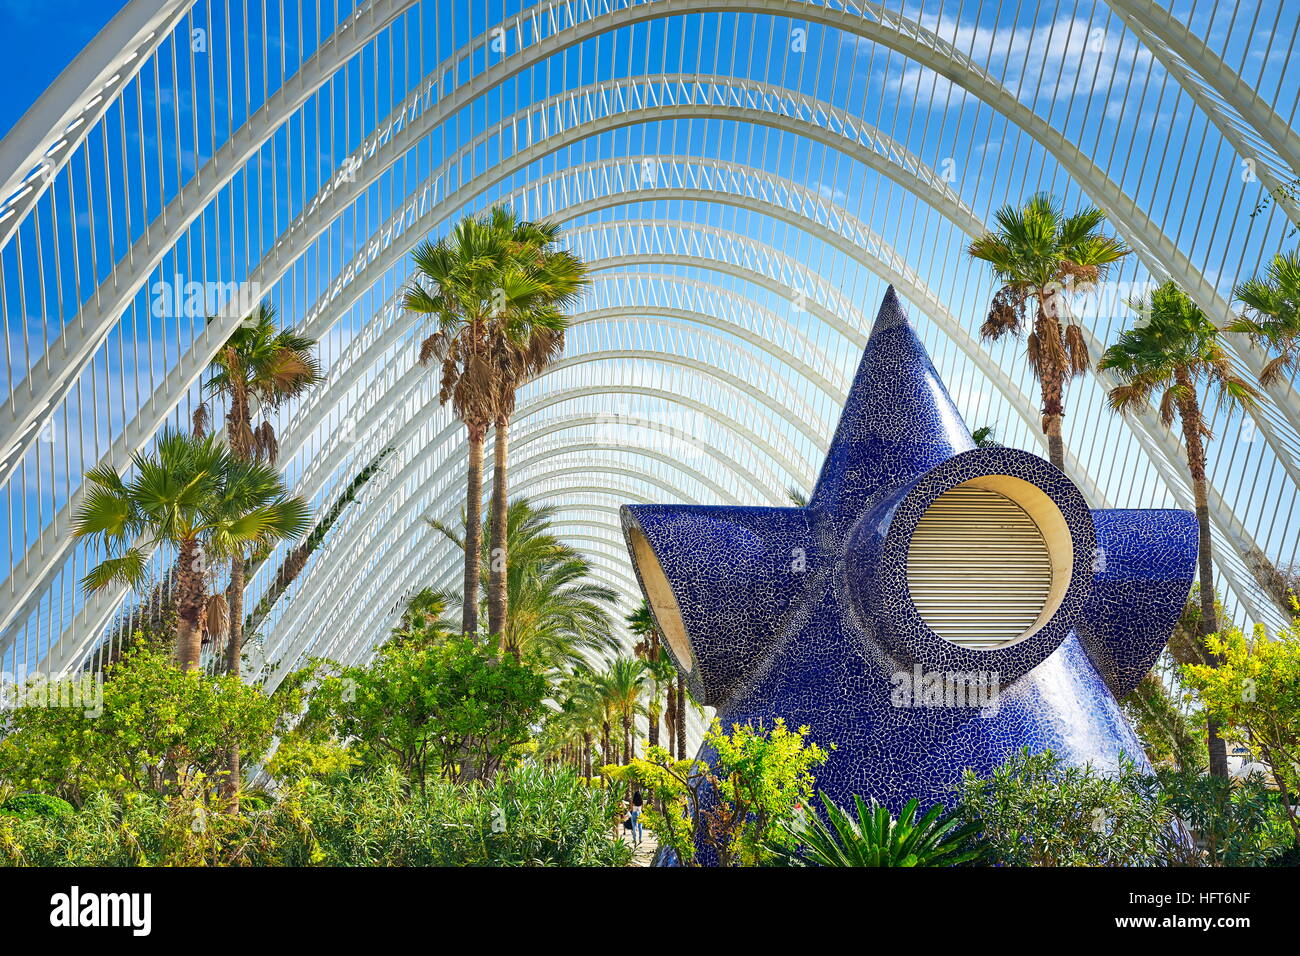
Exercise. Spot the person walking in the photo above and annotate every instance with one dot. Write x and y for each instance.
(637, 832)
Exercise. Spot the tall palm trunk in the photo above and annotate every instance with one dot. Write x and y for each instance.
(627, 735)
(587, 744)
(655, 699)
(497, 594)
(473, 528)
(654, 718)
(670, 718)
(1052, 382)
(681, 717)
(189, 606)
(234, 655)
(1190, 413)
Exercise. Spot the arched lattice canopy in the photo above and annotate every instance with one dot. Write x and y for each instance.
(744, 177)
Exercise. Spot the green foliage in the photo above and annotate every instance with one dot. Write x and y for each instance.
(557, 617)
(1232, 822)
(738, 805)
(673, 790)
(759, 777)
(1271, 313)
(527, 818)
(1174, 348)
(451, 708)
(161, 730)
(1255, 695)
(875, 838)
(36, 805)
(1035, 811)
(1168, 735)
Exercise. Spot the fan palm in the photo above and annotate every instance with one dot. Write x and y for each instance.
(620, 686)
(259, 361)
(422, 622)
(581, 712)
(524, 341)
(660, 669)
(1272, 314)
(1174, 352)
(272, 365)
(1037, 253)
(191, 494)
(476, 288)
(874, 838)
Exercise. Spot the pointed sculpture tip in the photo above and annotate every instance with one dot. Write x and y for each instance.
(891, 311)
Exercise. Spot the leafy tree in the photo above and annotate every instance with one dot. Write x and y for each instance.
(738, 805)
(423, 622)
(874, 838)
(1166, 732)
(1254, 692)
(675, 790)
(984, 437)
(157, 730)
(1272, 314)
(432, 709)
(659, 669)
(759, 779)
(619, 687)
(1038, 254)
(1174, 352)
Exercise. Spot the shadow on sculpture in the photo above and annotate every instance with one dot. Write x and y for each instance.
(935, 607)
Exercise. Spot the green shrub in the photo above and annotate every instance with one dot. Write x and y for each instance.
(35, 805)
(1232, 822)
(1035, 811)
(530, 818)
(871, 837)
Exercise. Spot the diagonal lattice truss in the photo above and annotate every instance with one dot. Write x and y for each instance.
(743, 176)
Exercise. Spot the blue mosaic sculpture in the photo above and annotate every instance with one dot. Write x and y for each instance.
(916, 658)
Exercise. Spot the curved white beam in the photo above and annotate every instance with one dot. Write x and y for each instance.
(49, 133)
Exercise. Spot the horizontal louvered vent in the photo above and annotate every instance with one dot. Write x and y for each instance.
(978, 568)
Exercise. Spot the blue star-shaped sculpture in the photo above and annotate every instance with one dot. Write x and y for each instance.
(809, 614)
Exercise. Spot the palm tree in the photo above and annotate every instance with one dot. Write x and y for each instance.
(641, 623)
(1272, 317)
(1173, 353)
(422, 622)
(192, 494)
(620, 686)
(582, 713)
(273, 366)
(1037, 253)
(472, 283)
(523, 343)
(558, 618)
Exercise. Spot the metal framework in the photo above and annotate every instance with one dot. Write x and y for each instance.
(743, 176)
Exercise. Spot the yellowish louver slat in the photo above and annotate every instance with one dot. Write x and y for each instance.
(978, 568)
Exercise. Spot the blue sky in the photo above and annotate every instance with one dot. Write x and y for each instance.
(41, 37)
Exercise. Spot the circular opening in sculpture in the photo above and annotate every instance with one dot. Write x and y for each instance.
(989, 562)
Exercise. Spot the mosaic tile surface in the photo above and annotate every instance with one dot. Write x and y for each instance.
(803, 613)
